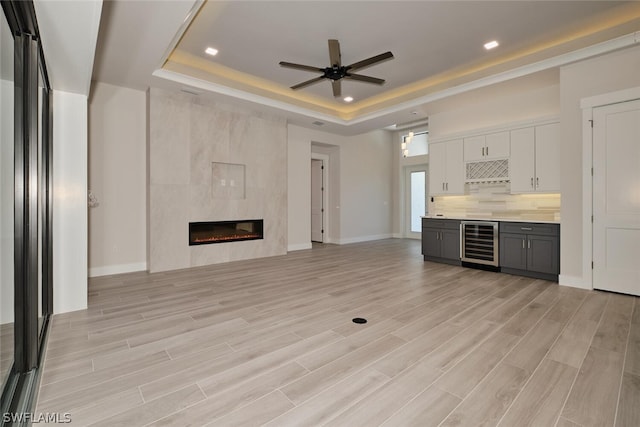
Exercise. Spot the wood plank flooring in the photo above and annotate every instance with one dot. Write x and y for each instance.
(271, 342)
(6, 350)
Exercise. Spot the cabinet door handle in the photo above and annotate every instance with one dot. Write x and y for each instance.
(443, 184)
(487, 151)
(537, 182)
(483, 151)
(531, 182)
(528, 244)
(526, 228)
(522, 243)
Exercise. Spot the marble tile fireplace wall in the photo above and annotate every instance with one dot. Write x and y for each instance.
(187, 135)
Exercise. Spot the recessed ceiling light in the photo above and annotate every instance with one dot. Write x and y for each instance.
(348, 98)
(490, 45)
(211, 51)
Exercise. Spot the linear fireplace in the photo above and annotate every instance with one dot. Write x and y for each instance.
(204, 233)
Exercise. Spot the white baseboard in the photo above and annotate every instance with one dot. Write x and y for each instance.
(64, 310)
(397, 236)
(299, 247)
(363, 239)
(573, 281)
(117, 269)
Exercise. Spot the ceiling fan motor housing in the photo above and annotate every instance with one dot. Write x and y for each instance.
(335, 72)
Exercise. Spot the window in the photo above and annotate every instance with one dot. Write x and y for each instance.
(417, 145)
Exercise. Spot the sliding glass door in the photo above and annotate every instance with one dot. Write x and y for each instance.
(26, 207)
(7, 186)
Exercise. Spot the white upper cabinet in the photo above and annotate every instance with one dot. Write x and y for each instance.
(486, 147)
(455, 168)
(525, 153)
(497, 146)
(474, 148)
(522, 163)
(446, 168)
(548, 158)
(437, 168)
(534, 165)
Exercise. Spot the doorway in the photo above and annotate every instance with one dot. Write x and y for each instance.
(317, 200)
(415, 206)
(616, 197)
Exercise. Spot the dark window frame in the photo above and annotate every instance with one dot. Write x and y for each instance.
(33, 197)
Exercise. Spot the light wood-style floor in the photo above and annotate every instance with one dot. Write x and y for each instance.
(6, 350)
(271, 342)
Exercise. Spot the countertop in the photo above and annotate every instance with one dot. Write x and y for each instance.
(470, 218)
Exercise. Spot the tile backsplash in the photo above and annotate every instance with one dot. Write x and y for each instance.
(493, 200)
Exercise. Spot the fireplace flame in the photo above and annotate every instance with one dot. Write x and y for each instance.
(224, 231)
(224, 238)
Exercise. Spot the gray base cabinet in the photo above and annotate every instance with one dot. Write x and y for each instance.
(441, 240)
(530, 249)
(526, 249)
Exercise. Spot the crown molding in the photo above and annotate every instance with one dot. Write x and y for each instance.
(556, 61)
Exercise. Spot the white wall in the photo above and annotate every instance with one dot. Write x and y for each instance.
(70, 202)
(298, 189)
(365, 187)
(69, 31)
(607, 73)
(495, 105)
(117, 178)
(360, 185)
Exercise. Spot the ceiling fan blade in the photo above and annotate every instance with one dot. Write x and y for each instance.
(337, 88)
(367, 79)
(334, 53)
(301, 67)
(370, 61)
(308, 82)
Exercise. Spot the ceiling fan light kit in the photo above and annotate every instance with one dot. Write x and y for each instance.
(336, 71)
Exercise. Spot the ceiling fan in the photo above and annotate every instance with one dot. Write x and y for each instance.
(336, 72)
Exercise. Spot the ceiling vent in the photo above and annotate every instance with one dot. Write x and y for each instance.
(413, 124)
(191, 91)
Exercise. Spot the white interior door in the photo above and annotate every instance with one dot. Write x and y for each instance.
(317, 198)
(415, 200)
(616, 198)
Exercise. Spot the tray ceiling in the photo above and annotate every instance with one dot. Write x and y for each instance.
(437, 45)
